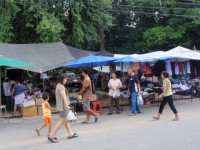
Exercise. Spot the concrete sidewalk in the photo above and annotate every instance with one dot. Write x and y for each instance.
(116, 132)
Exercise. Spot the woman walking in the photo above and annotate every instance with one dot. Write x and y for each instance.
(62, 105)
(167, 97)
(114, 85)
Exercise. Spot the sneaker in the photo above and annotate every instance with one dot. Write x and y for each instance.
(109, 114)
(132, 114)
(118, 112)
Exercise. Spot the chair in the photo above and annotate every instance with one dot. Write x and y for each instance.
(97, 107)
(6, 113)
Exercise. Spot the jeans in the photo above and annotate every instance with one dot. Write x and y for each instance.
(9, 103)
(116, 100)
(169, 100)
(135, 106)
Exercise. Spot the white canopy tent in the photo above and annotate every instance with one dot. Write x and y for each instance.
(176, 54)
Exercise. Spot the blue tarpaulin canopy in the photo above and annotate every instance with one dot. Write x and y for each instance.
(134, 58)
(90, 61)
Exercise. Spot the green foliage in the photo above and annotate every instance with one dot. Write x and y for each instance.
(83, 23)
(49, 29)
(86, 20)
(160, 35)
(6, 29)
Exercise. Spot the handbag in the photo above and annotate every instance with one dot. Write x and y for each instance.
(140, 100)
(71, 116)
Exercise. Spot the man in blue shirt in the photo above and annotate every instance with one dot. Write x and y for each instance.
(18, 94)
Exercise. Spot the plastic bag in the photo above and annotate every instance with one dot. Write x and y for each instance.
(71, 116)
(116, 94)
(140, 100)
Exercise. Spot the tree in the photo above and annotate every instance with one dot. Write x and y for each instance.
(153, 25)
(49, 29)
(87, 22)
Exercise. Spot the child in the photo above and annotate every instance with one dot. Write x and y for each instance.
(46, 114)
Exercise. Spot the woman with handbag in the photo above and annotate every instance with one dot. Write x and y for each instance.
(62, 105)
(114, 85)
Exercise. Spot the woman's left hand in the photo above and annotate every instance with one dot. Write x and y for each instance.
(160, 97)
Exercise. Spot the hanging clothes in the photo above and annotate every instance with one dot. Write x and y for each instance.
(141, 65)
(188, 68)
(168, 67)
(135, 67)
(176, 69)
(180, 67)
(184, 65)
(173, 67)
(144, 68)
(159, 67)
(148, 68)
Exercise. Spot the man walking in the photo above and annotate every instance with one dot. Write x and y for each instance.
(133, 89)
(7, 92)
(86, 92)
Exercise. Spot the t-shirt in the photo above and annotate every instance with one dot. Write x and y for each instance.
(7, 88)
(46, 111)
(19, 89)
(59, 102)
(114, 83)
(87, 87)
(169, 90)
(132, 81)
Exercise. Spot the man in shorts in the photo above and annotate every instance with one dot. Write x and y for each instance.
(86, 92)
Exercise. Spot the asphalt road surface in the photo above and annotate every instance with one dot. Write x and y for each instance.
(116, 132)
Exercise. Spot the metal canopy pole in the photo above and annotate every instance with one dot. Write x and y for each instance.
(0, 88)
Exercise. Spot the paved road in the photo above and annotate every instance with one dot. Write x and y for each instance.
(117, 132)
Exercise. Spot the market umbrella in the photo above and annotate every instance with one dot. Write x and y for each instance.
(90, 61)
(5, 61)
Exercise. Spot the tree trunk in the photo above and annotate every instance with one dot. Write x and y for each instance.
(102, 36)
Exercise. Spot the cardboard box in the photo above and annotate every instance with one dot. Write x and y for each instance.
(39, 102)
(29, 111)
(39, 109)
(33, 97)
(29, 103)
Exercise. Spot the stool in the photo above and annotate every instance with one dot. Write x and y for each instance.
(96, 106)
(6, 113)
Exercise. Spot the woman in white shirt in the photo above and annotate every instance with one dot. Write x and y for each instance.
(114, 93)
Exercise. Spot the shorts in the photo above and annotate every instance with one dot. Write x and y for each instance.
(19, 99)
(63, 114)
(86, 105)
(48, 121)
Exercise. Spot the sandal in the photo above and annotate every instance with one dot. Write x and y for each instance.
(156, 118)
(84, 122)
(73, 136)
(96, 119)
(175, 119)
(53, 140)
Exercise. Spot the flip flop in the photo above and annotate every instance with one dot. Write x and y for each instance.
(38, 132)
(53, 140)
(96, 119)
(73, 136)
(84, 122)
(156, 118)
(175, 119)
